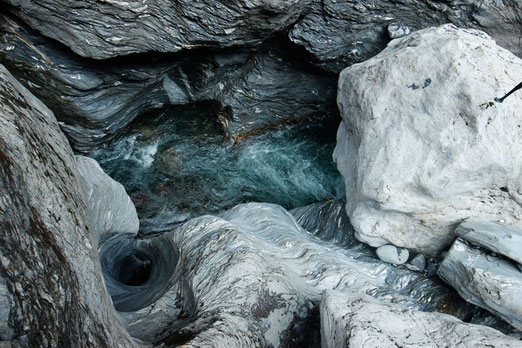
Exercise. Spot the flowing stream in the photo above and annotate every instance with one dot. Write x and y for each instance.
(176, 163)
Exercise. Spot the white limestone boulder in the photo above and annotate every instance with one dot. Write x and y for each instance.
(354, 320)
(423, 146)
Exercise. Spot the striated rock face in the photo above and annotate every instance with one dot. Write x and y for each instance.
(499, 238)
(249, 277)
(484, 280)
(49, 271)
(94, 101)
(339, 33)
(422, 144)
(103, 29)
(358, 321)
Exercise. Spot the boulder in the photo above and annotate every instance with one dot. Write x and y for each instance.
(423, 146)
(95, 101)
(357, 321)
(249, 277)
(339, 33)
(48, 245)
(123, 27)
(484, 280)
(499, 238)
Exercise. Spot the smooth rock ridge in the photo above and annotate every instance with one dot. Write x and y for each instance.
(252, 277)
(499, 238)
(103, 29)
(360, 321)
(484, 280)
(48, 246)
(422, 144)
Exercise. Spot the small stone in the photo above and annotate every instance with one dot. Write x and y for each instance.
(391, 254)
(418, 263)
(396, 30)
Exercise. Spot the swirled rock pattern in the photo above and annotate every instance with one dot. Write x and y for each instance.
(339, 33)
(252, 277)
(358, 321)
(423, 145)
(103, 29)
(48, 247)
(95, 101)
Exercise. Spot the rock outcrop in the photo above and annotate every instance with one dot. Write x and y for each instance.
(103, 29)
(499, 238)
(484, 280)
(339, 33)
(50, 271)
(423, 146)
(249, 277)
(358, 321)
(94, 101)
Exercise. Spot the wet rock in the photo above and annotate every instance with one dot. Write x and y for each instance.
(499, 238)
(6, 333)
(391, 254)
(48, 247)
(252, 276)
(341, 33)
(426, 146)
(484, 280)
(94, 101)
(328, 221)
(418, 263)
(354, 320)
(123, 27)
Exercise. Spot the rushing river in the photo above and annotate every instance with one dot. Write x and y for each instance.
(176, 164)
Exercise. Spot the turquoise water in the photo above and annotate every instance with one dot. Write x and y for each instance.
(176, 164)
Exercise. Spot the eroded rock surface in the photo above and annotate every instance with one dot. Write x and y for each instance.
(484, 280)
(103, 29)
(339, 33)
(354, 320)
(94, 101)
(48, 246)
(422, 144)
(252, 277)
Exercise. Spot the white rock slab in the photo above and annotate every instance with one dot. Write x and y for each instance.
(500, 238)
(354, 320)
(488, 282)
(422, 145)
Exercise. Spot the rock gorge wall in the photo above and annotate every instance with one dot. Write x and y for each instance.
(254, 275)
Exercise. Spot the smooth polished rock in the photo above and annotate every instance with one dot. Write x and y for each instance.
(95, 101)
(103, 29)
(48, 247)
(484, 280)
(111, 209)
(252, 277)
(500, 238)
(391, 254)
(418, 263)
(359, 321)
(339, 33)
(328, 221)
(423, 146)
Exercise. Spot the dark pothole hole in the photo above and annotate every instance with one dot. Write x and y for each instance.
(134, 270)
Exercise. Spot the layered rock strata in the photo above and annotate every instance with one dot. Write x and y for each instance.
(339, 33)
(95, 101)
(423, 145)
(50, 271)
(103, 29)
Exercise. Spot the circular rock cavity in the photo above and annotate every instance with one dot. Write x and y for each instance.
(137, 272)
